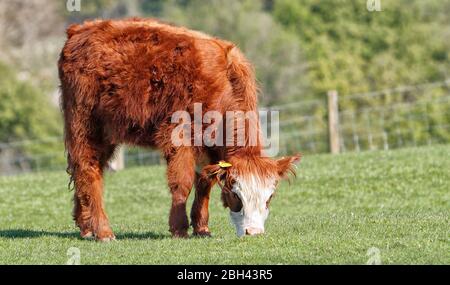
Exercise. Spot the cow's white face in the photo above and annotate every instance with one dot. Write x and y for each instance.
(248, 185)
(255, 195)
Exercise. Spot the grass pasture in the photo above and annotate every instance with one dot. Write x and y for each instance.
(333, 213)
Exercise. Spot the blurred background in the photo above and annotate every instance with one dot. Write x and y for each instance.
(346, 75)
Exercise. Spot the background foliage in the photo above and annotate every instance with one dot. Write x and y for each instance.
(300, 48)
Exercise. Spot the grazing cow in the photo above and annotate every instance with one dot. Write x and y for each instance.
(122, 81)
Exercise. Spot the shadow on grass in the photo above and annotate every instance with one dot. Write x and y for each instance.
(21, 233)
(146, 235)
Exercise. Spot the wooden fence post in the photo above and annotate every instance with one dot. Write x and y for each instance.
(333, 121)
(118, 162)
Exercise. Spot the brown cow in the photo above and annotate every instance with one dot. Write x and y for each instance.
(122, 81)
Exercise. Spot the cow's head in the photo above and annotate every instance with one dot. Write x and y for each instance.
(248, 185)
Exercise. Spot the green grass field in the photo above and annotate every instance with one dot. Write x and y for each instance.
(333, 213)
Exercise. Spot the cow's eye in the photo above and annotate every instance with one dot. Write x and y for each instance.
(268, 201)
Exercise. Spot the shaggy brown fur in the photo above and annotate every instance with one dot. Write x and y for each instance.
(121, 81)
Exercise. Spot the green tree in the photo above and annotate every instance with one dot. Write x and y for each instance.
(353, 50)
(26, 114)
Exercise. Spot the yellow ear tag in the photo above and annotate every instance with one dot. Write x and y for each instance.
(221, 164)
(224, 164)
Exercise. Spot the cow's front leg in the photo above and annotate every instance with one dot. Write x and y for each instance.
(180, 176)
(199, 211)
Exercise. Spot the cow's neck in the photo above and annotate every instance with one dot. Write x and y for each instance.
(252, 145)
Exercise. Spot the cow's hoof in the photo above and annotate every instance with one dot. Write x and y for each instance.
(87, 235)
(179, 234)
(105, 235)
(202, 234)
(106, 239)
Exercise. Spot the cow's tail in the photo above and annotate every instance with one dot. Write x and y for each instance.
(78, 94)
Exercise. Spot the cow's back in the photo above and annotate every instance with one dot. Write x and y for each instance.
(140, 71)
(130, 76)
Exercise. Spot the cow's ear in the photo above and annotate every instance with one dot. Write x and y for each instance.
(286, 165)
(216, 173)
(216, 170)
(211, 170)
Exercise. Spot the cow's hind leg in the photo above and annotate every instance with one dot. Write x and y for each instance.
(199, 211)
(87, 161)
(180, 176)
(87, 150)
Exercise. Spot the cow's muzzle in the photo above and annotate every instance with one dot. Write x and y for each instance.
(253, 231)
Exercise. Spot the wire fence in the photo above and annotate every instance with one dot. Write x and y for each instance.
(405, 116)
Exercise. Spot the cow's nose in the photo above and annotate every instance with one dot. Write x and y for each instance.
(253, 231)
